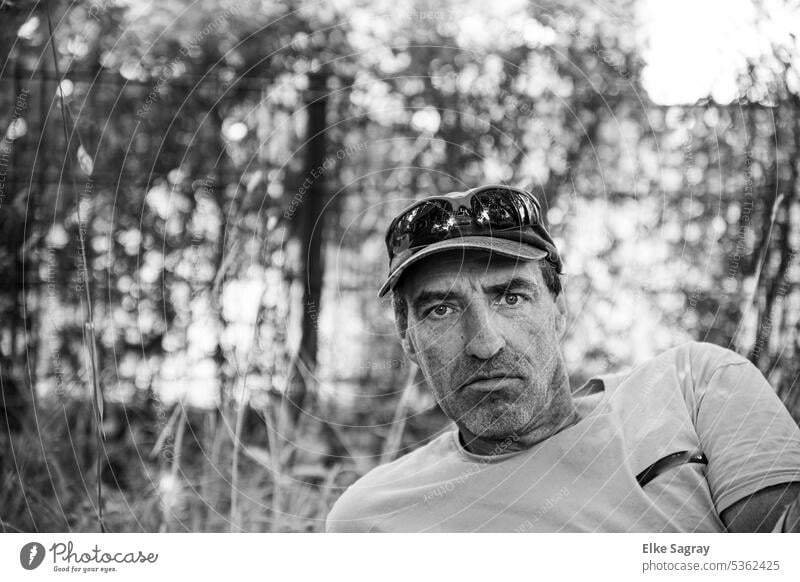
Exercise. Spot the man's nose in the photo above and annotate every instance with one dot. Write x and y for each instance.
(484, 339)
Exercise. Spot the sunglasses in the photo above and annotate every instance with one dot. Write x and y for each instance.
(487, 211)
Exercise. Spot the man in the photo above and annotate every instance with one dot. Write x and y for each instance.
(694, 440)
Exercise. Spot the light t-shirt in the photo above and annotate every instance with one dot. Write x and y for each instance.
(583, 479)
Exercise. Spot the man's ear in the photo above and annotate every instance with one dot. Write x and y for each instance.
(561, 315)
(408, 347)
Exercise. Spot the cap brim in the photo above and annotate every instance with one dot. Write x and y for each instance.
(504, 247)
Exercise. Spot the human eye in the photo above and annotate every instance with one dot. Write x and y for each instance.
(509, 299)
(439, 311)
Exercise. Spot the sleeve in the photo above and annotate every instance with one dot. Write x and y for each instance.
(749, 437)
(343, 517)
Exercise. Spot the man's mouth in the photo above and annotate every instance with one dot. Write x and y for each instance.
(488, 383)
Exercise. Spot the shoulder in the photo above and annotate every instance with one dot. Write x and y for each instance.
(700, 354)
(706, 359)
(694, 360)
(685, 369)
(371, 495)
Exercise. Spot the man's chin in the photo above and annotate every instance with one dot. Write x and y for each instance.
(496, 425)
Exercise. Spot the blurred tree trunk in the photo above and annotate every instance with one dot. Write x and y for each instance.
(12, 240)
(310, 230)
(22, 288)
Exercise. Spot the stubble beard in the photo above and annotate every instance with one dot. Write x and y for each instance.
(540, 410)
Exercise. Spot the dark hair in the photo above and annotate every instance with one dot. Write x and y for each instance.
(400, 306)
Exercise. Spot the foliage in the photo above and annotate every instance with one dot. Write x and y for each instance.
(188, 166)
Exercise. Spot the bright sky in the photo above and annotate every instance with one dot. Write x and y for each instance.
(695, 48)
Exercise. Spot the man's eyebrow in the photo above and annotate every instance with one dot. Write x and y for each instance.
(513, 284)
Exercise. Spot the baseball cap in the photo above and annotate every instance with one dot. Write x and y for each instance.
(493, 218)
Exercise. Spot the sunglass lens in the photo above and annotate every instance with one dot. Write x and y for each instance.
(496, 209)
(421, 225)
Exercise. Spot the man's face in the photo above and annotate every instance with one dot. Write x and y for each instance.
(485, 332)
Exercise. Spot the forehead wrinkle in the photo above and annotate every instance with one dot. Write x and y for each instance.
(454, 270)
